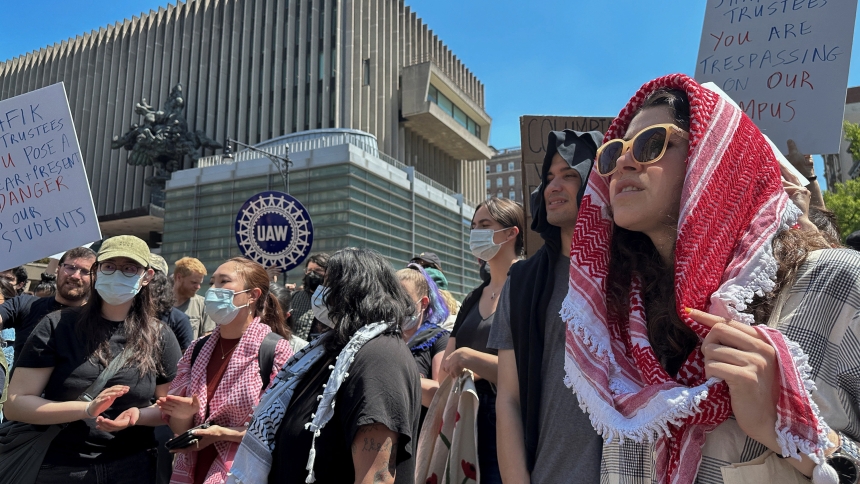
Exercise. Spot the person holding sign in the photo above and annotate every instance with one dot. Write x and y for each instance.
(700, 313)
(24, 312)
(106, 439)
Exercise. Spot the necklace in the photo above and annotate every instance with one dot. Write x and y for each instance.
(223, 353)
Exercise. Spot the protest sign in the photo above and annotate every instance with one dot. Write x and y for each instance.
(533, 133)
(45, 201)
(785, 63)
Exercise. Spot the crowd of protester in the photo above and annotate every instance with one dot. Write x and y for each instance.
(692, 316)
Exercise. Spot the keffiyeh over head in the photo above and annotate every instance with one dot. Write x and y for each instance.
(732, 205)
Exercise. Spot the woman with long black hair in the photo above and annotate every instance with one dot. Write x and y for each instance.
(700, 312)
(109, 439)
(346, 407)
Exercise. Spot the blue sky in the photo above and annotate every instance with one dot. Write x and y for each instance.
(568, 57)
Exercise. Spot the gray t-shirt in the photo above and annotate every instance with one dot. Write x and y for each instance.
(563, 425)
(201, 323)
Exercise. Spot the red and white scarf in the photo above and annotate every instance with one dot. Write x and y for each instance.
(233, 401)
(732, 205)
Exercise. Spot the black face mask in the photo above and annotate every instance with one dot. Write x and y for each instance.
(312, 280)
(484, 271)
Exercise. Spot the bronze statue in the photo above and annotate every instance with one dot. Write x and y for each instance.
(164, 140)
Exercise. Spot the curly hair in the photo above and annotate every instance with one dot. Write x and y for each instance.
(163, 298)
(363, 290)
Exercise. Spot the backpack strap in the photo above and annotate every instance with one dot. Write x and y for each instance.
(266, 357)
(197, 347)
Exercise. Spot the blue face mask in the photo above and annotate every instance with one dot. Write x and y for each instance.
(117, 288)
(219, 305)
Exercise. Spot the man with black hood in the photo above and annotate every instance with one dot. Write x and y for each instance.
(542, 420)
(300, 305)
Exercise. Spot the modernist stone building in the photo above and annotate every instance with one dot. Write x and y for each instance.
(255, 70)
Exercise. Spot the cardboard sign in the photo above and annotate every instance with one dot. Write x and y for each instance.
(533, 132)
(45, 201)
(785, 62)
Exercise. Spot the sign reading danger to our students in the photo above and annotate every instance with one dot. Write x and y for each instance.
(45, 202)
(274, 229)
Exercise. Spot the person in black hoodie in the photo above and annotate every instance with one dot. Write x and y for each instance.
(542, 421)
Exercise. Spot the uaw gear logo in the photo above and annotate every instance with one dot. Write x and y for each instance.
(274, 229)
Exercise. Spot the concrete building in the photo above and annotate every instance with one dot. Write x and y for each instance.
(504, 175)
(841, 167)
(256, 70)
(356, 195)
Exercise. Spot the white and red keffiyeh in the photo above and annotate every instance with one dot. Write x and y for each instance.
(233, 401)
(732, 206)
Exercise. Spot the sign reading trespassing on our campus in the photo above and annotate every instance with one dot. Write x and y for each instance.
(45, 202)
(785, 62)
(534, 131)
(274, 229)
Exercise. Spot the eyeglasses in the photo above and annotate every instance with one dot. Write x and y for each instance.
(70, 269)
(320, 272)
(128, 270)
(648, 146)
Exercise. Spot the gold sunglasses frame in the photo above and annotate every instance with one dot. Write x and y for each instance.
(627, 145)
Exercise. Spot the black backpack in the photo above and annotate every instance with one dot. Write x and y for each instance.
(266, 357)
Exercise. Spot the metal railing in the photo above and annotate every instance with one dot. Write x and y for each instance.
(320, 140)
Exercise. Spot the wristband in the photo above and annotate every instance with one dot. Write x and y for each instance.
(811, 178)
(87, 411)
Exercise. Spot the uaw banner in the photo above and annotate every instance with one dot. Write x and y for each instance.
(45, 202)
(274, 229)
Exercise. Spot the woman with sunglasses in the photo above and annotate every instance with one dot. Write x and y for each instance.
(109, 438)
(699, 312)
(219, 379)
(496, 237)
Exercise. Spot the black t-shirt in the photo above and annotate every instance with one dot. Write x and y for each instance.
(424, 358)
(382, 387)
(55, 343)
(180, 324)
(23, 313)
(474, 331)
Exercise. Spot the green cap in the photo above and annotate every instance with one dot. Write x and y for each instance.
(158, 263)
(125, 246)
(437, 276)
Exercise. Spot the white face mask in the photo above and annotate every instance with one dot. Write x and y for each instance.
(319, 307)
(482, 245)
(117, 288)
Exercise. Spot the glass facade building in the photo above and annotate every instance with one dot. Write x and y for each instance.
(355, 194)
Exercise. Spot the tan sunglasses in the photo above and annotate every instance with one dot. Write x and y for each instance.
(648, 146)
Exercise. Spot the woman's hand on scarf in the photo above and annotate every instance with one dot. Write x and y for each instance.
(215, 433)
(121, 422)
(105, 399)
(179, 407)
(735, 353)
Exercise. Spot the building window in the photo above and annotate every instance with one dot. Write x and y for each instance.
(499, 194)
(488, 184)
(366, 71)
(487, 168)
(512, 195)
(499, 182)
(498, 167)
(511, 181)
(452, 110)
(510, 166)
